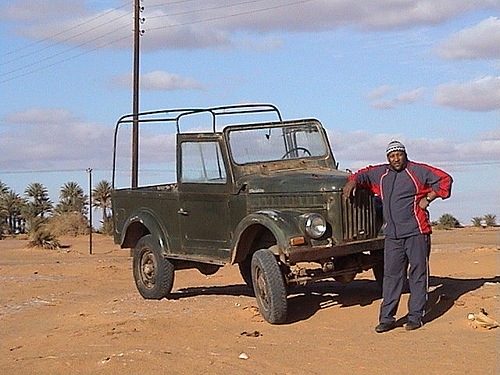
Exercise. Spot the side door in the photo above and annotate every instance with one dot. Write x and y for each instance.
(204, 198)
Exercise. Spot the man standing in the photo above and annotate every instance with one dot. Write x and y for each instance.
(406, 189)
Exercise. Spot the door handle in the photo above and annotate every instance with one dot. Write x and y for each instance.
(182, 212)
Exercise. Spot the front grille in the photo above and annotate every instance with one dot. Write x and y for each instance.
(359, 217)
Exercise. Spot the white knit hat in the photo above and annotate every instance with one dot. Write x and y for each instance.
(395, 145)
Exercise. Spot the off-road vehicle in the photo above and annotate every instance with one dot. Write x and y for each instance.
(264, 195)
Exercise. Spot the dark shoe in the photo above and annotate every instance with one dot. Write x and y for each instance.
(411, 326)
(384, 327)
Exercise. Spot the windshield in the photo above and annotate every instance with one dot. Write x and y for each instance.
(284, 141)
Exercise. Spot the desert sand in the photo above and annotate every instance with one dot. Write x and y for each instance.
(68, 312)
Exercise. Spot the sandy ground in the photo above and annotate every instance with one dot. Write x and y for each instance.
(68, 312)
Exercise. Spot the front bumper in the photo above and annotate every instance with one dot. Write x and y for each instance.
(315, 253)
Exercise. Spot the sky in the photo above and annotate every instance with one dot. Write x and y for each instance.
(425, 72)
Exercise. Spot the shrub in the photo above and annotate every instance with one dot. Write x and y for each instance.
(44, 239)
(476, 221)
(68, 224)
(448, 221)
(490, 220)
(107, 227)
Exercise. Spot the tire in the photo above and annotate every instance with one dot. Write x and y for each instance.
(345, 279)
(153, 273)
(269, 287)
(245, 267)
(344, 263)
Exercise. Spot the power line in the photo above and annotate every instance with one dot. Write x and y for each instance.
(60, 33)
(53, 171)
(120, 28)
(230, 15)
(208, 9)
(61, 61)
(37, 62)
(72, 29)
(69, 38)
(63, 52)
(172, 3)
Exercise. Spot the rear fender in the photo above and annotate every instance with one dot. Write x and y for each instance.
(141, 223)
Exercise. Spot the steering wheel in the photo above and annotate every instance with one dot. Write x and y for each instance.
(303, 149)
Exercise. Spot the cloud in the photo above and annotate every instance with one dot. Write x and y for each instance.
(407, 97)
(383, 104)
(410, 96)
(264, 45)
(489, 149)
(490, 135)
(379, 92)
(53, 139)
(477, 42)
(36, 10)
(35, 116)
(328, 14)
(67, 143)
(106, 29)
(361, 148)
(480, 95)
(216, 23)
(159, 80)
(111, 28)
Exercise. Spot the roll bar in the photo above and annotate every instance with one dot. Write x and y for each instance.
(175, 115)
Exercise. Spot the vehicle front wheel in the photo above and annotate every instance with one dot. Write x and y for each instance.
(153, 273)
(246, 270)
(269, 287)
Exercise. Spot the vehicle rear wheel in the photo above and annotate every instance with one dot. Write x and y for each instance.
(346, 263)
(346, 278)
(153, 273)
(269, 287)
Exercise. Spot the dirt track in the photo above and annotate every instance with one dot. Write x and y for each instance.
(69, 312)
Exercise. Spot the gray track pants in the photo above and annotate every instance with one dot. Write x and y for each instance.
(398, 254)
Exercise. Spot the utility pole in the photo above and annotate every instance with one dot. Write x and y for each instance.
(89, 171)
(135, 104)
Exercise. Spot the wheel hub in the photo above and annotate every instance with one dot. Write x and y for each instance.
(148, 270)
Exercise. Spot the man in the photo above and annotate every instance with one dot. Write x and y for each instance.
(406, 189)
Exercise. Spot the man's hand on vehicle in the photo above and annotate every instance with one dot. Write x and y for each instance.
(349, 189)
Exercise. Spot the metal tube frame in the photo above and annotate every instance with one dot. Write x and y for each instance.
(144, 117)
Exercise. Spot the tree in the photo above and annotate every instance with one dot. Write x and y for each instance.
(101, 198)
(39, 203)
(3, 209)
(71, 199)
(490, 220)
(13, 204)
(476, 221)
(448, 221)
(3, 188)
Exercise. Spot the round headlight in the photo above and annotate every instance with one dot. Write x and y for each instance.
(315, 225)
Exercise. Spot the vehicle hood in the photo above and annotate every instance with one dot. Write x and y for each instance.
(295, 181)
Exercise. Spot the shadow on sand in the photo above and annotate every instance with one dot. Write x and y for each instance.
(304, 302)
(447, 290)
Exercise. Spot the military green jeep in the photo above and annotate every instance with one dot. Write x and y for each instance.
(264, 195)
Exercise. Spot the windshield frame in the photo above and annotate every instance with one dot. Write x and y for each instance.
(286, 146)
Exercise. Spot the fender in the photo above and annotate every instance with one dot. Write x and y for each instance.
(282, 224)
(147, 219)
